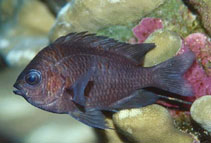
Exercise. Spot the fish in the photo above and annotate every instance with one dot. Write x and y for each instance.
(83, 75)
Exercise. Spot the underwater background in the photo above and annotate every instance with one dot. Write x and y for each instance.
(175, 26)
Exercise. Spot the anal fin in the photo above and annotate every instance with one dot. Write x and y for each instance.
(139, 98)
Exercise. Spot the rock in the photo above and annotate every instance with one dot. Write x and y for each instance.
(24, 35)
(55, 5)
(201, 112)
(9, 10)
(18, 51)
(61, 133)
(28, 14)
(150, 124)
(24, 49)
(93, 15)
(35, 15)
(167, 44)
(204, 9)
(26, 123)
(3, 63)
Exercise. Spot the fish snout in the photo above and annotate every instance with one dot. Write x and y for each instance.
(18, 90)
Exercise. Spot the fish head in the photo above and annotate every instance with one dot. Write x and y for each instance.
(29, 83)
(40, 84)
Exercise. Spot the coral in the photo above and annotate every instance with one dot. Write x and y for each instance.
(24, 28)
(201, 112)
(120, 33)
(167, 44)
(199, 80)
(111, 135)
(150, 124)
(204, 9)
(146, 27)
(93, 15)
(198, 76)
(201, 46)
(177, 17)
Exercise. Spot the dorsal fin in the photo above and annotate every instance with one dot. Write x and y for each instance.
(135, 52)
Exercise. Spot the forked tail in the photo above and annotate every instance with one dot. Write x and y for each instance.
(169, 74)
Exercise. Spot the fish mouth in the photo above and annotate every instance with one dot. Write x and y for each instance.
(18, 90)
(40, 104)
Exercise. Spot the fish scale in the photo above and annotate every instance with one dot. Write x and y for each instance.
(83, 74)
(102, 80)
(117, 91)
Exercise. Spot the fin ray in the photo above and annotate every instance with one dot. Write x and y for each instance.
(134, 52)
(91, 117)
(169, 74)
(79, 87)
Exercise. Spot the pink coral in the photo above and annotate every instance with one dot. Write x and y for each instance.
(196, 42)
(146, 27)
(200, 45)
(199, 75)
(199, 80)
(196, 75)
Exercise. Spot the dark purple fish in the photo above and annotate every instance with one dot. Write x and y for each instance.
(83, 75)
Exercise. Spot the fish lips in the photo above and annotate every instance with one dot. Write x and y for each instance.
(18, 90)
(40, 104)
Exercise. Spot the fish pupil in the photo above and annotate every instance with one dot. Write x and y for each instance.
(33, 77)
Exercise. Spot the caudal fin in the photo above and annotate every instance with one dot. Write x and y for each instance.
(169, 74)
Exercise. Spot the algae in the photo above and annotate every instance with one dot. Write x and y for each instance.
(177, 17)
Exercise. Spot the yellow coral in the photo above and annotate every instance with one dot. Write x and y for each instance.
(167, 44)
(201, 112)
(92, 15)
(151, 124)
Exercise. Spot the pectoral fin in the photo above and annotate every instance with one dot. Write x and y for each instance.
(139, 98)
(79, 87)
(91, 117)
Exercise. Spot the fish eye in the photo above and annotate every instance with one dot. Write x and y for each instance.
(33, 77)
